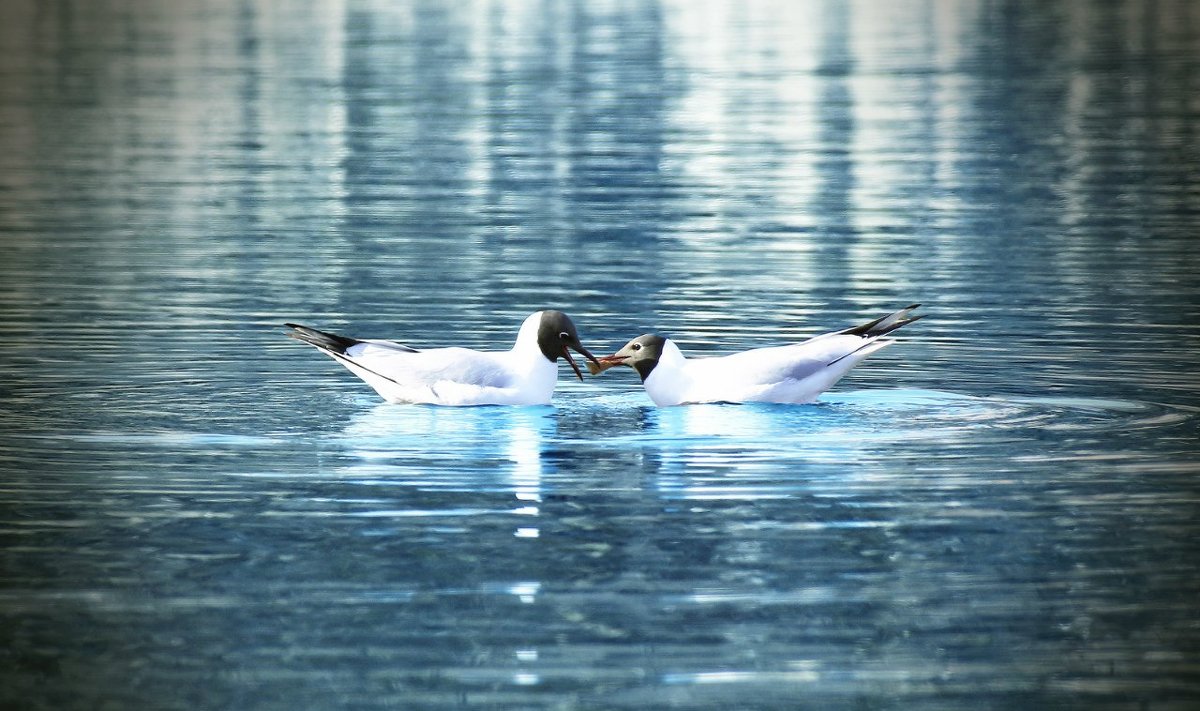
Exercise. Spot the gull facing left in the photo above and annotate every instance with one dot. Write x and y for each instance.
(524, 375)
(795, 373)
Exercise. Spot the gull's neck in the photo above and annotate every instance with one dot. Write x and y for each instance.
(667, 383)
(526, 355)
(526, 344)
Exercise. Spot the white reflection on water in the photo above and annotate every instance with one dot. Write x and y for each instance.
(482, 449)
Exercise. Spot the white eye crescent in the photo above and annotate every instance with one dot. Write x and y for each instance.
(565, 336)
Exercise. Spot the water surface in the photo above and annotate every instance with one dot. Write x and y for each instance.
(997, 512)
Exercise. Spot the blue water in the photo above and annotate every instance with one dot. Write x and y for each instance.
(999, 511)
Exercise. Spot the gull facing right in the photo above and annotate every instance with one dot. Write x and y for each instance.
(795, 373)
(524, 375)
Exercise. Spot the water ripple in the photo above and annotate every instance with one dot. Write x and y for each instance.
(1001, 509)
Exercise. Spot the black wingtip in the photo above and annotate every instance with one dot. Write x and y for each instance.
(905, 322)
(885, 324)
(320, 339)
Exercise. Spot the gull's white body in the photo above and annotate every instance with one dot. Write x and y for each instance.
(784, 374)
(456, 376)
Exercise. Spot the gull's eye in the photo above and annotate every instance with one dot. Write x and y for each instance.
(637, 346)
(565, 336)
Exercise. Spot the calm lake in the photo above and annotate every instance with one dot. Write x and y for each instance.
(1001, 511)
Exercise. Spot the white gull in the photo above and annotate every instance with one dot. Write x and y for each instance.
(795, 373)
(524, 375)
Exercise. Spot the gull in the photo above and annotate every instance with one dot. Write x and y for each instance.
(524, 375)
(795, 373)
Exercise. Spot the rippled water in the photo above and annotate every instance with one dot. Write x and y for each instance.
(998, 512)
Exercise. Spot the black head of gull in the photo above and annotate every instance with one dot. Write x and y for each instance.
(557, 337)
(642, 354)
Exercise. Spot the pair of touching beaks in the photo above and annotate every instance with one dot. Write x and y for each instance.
(597, 366)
